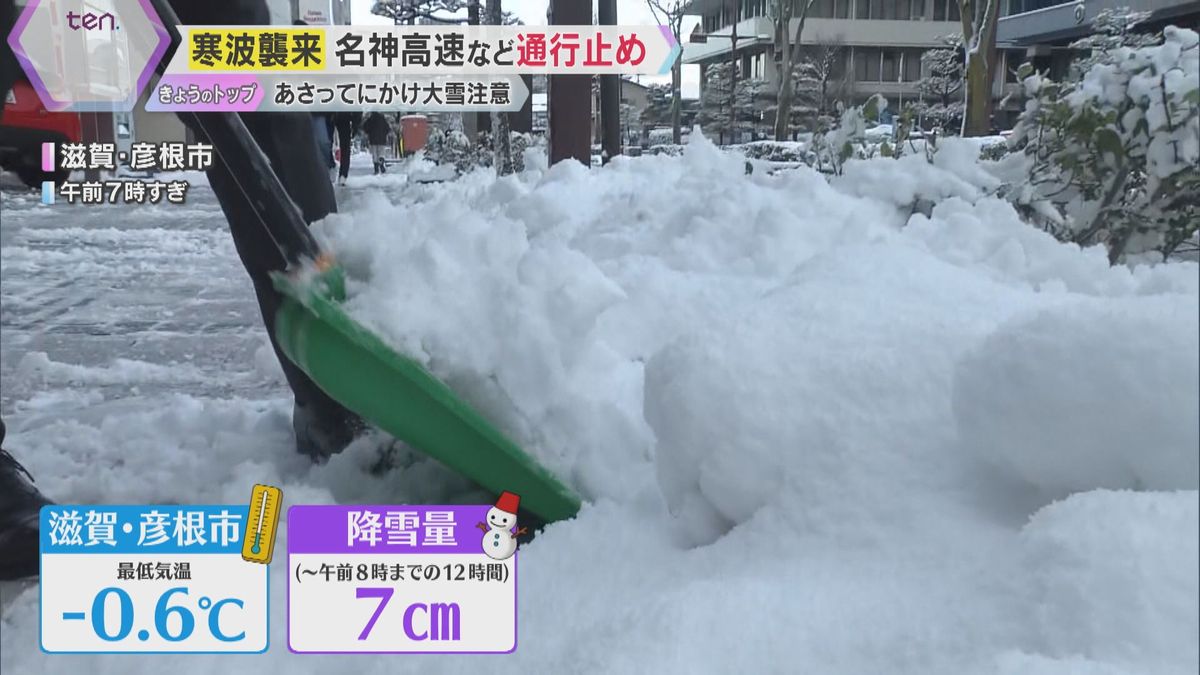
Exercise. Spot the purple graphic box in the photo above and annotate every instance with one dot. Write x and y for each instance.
(385, 529)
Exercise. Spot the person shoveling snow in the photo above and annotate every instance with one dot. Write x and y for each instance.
(322, 425)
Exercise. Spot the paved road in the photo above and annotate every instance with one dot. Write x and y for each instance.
(124, 301)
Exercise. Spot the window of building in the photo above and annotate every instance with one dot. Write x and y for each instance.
(945, 10)
(912, 65)
(838, 70)
(1012, 61)
(867, 64)
(888, 10)
(821, 9)
(891, 66)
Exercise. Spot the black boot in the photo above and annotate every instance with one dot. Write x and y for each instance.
(20, 506)
(323, 431)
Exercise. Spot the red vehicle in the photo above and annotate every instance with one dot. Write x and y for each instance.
(24, 125)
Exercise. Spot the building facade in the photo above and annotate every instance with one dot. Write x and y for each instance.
(1041, 31)
(876, 44)
(634, 99)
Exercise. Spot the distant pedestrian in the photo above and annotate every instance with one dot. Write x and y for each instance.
(378, 129)
(346, 124)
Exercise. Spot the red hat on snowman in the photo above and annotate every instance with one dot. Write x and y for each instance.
(508, 503)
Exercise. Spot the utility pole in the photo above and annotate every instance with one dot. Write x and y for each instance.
(482, 120)
(569, 97)
(610, 93)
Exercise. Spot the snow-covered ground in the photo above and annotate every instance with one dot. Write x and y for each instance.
(816, 433)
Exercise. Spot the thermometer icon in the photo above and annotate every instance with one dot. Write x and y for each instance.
(265, 503)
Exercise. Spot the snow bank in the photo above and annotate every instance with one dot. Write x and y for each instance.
(775, 394)
(830, 395)
(1089, 395)
(1117, 577)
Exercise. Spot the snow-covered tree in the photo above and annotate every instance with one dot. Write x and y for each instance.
(659, 105)
(941, 84)
(979, 19)
(715, 96)
(801, 114)
(1113, 157)
(750, 99)
(755, 101)
(818, 81)
(670, 13)
(1111, 28)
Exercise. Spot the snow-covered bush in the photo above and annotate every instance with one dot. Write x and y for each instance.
(1113, 157)
(833, 145)
(774, 151)
(668, 149)
(453, 147)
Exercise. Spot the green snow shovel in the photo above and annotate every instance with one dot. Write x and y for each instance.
(351, 364)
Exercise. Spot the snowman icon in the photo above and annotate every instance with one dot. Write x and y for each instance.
(499, 541)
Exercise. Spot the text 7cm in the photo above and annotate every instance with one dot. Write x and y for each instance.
(422, 621)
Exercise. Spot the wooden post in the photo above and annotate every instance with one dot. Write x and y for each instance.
(610, 93)
(569, 97)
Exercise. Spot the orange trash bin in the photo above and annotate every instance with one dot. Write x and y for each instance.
(414, 130)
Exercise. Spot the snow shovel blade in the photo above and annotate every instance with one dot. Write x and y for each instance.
(398, 395)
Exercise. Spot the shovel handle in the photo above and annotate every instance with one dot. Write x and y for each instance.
(236, 147)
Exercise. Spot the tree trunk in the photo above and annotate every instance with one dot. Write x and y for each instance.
(975, 114)
(783, 107)
(677, 102)
(501, 139)
(979, 41)
(733, 71)
(791, 54)
(783, 97)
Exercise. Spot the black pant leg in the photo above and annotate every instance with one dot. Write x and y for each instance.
(343, 130)
(287, 140)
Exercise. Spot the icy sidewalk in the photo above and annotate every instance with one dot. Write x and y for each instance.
(815, 441)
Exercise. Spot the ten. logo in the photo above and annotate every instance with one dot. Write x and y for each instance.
(91, 21)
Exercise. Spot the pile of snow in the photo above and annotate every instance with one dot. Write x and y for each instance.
(786, 365)
(1116, 574)
(805, 421)
(1106, 414)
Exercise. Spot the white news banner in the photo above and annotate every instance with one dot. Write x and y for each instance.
(150, 579)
